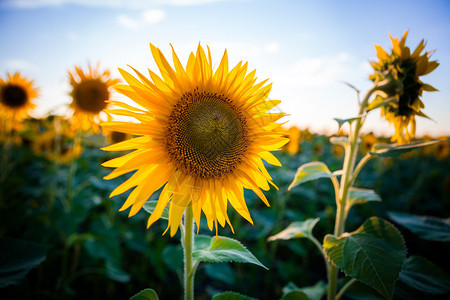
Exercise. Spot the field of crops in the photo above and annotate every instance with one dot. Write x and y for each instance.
(73, 243)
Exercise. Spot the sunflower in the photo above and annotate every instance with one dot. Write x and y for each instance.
(204, 134)
(16, 95)
(90, 93)
(367, 142)
(294, 139)
(399, 96)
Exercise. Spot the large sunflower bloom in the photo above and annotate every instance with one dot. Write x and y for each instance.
(90, 93)
(203, 135)
(16, 95)
(401, 70)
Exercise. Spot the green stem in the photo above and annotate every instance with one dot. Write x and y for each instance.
(188, 245)
(346, 182)
(345, 288)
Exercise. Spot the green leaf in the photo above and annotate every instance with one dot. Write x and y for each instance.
(343, 121)
(311, 171)
(340, 140)
(223, 249)
(360, 196)
(301, 229)
(231, 296)
(222, 272)
(172, 255)
(421, 274)
(114, 272)
(393, 150)
(373, 254)
(314, 292)
(147, 294)
(295, 295)
(428, 228)
(150, 207)
(17, 258)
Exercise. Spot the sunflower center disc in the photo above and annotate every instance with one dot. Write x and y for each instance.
(90, 95)
(206, 135)
(14, 96)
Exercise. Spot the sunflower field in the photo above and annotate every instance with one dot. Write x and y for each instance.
(196, 188)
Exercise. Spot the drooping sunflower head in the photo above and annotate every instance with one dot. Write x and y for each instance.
(16, 95)
(400, 86)
(204, 134)
(90, 93)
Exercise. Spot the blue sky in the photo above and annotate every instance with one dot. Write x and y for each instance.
(306, 48)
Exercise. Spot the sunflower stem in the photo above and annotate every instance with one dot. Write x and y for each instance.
(188, 245)
(347, 180)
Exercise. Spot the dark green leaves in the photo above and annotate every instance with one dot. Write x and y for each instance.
(301, 229)
(231, 296)
(421, 274)
(428, 228)
(360, 196)
(223, 249)
(147, 294)
(150, 207)
(315, 292)
(373, 254)
(393, 150)
(17, 257)
(311, 171)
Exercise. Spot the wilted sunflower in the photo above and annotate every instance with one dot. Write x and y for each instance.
(90, 93)
(400, 99)
(16, 95)
(204, 134)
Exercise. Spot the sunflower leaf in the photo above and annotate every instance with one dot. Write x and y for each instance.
(340, 140)
(361, 196)
(301, 229)
(428, 228)
(311, 171)
(231, 296)
(147, 294)
(314, 292)
(393, 150)
(17, 258)
(150, 207)
(373, 254)
(223, 249)
(341, 122)
(421, 274)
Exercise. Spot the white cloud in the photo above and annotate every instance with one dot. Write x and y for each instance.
(272, 47)
(127, 22)
(18, 65)
(29, 4)
(154, 15)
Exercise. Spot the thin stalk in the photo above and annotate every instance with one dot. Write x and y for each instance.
(345, 288)
(188, 245)
(346, 183)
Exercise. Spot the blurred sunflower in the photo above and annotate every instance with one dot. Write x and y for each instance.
(293, 133)
(204, 135)
(16, 95)
(401, 88)
(90, 93)
(367, 142)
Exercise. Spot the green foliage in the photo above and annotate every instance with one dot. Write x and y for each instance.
(17, 257)
(223, 249)
(394, 150)
(373, 254)
(421, 274)
(231, 296)
(428, 228)
(150, 207)
(315, 292)
(310, 171)
(147, 294)
(296, 230)
(360, 196)
(341, 122)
